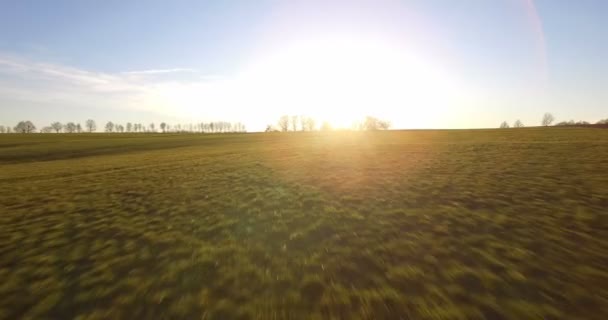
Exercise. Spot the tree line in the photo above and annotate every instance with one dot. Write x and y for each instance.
(304, 123)
(111, 127)
(548, 119)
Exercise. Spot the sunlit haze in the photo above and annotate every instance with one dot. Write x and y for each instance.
(431, 64)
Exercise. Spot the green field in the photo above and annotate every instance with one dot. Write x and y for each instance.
(469, 224)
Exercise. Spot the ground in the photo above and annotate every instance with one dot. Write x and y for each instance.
(462, 224)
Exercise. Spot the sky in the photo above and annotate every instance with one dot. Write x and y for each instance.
(418, 64)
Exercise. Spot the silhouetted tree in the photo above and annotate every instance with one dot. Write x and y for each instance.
(547, 119)
(372, 124)
(2, 129)
(504, 125)
(56, 126)
(70, 127)
(384, 125)
(303, 123)
(294, 123)
(129, 127)
(603, 121)
(163, 126)
(110, 126)
(25, 127)
(78, 128)
(572, 123)
(518, 124)
(46, 130)
(271, 128)
(91, 125)
(284, 123)
(310, 124)
(152, 127)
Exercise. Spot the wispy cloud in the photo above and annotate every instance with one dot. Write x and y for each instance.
(175, 92)
(159, 71)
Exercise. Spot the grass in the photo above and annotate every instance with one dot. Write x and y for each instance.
(479, 224)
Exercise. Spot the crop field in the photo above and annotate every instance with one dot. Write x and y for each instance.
(454, 224)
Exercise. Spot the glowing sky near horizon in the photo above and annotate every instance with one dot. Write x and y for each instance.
(419, 64)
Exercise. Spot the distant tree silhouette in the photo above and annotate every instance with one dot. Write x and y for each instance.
(603, 121)
(504, 125)
(70, 127)
(572, 123)
(2, 129)
(25, 127)
(129, 127)
(110, 127)
(56, 126)
(303, 123)
(284, 123)
(372, 124)
(310, 124)
(518, 124)
(163, 126)
(152, 127)
(78, 128)
(271, 128)
(47, 129)
(91, 125)
(294, 123)
(547, 119)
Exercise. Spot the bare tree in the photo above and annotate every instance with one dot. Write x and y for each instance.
(91, 125)
(294, 123)
(384, 125)
(152, 127)
(78, 128)
(2, 129)
(504, 125)
(310, 124)
(518, 124)
(372, 124)
(56, 126)
(46, 130)
(25, 127)
(284, 123)
(548, 119)
(109, 126)
(163, 126)
(129, 127)
(70, 127)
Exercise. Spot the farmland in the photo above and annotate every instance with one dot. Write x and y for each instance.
(454, 224)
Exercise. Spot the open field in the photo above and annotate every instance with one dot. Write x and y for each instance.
(471, 224)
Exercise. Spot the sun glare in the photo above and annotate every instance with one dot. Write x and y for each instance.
(335, 79)
(341, 79)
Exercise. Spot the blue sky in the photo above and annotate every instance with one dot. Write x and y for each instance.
(438, 64)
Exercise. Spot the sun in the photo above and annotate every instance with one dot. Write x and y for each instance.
(341, 79)
(336, 79)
